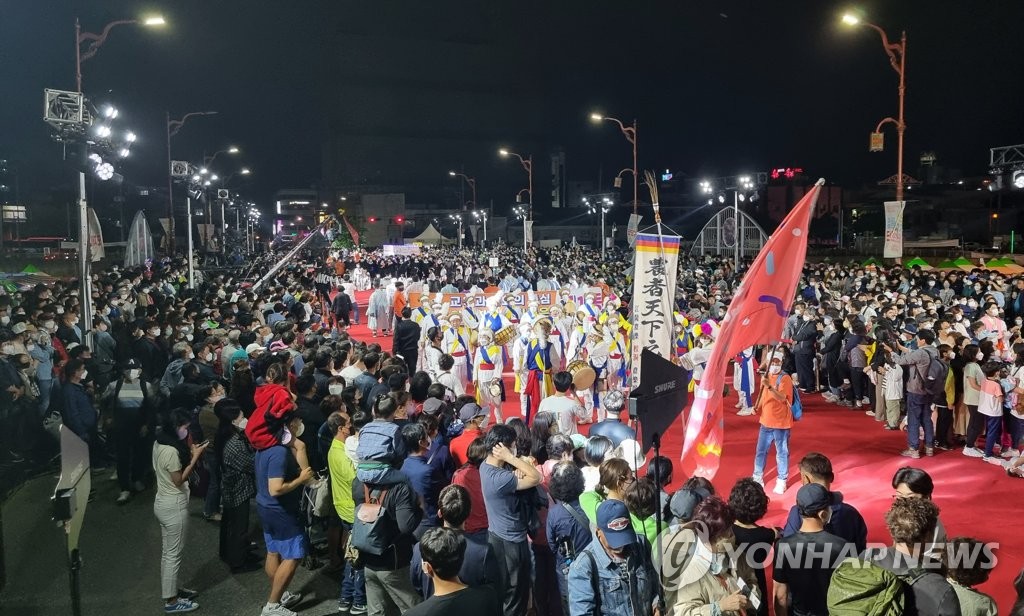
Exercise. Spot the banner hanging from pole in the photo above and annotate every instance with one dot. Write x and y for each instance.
(351, 230)
(96, 251)
(528, 229)
(893, 229)
(654, 287)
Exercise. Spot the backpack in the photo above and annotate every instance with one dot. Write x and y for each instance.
(797, 407)
(862, 588)
(935, 379)
(372, 531)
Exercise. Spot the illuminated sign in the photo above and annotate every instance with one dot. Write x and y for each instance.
(786, 172)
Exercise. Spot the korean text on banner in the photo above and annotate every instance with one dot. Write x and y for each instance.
(893, 229)
(96, 251)
(654, 287)
(756, 315)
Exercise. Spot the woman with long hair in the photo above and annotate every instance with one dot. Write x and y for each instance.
(616, 476)
(973, 377)
(243, 387)
(173, 462)
(238, 485)
(545, 425)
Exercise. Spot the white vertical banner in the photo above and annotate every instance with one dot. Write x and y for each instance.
(528, 229)
(96, 251)
(654, 287)
(139, 247)
(893, 229)
(631, 230)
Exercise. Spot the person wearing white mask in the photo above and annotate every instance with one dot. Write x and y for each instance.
(775, 407)
(238, 486)
(174, 459)
(130, 431)
(80, 416)
(41, 351)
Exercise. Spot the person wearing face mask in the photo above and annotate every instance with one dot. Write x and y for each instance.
(104, 349)
(921, 390)
(804, 561)
(151, 353)
(132, 419)
(804, 345)
(174, 460)
(426, 480)
(68, 330)
(203, 357)
(80, 416)
(775, 407)
(280, 476)
(794, 321)
(707, 580)
(42, 353)
(238, 486)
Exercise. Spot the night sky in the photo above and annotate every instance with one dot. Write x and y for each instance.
(718, 87)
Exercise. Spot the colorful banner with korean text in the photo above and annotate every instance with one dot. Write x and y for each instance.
(545, 299)
(893, 229)
(654, 288)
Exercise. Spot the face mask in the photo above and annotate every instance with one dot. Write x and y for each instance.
(209, 357)
(182, 433)
(807, 317)
(241, 422)
(335, 390)
(154, 332)
(286, 437)
(774, 369)
(134, 374)
(4, 320)
(85, 373)
(979, 356)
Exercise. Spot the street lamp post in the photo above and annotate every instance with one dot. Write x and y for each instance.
(457, 218)
(602, 208)
(173, 126)
(482, 216)
(527, 164)
(95, 42)
(630, 133)
(472, 186)
(897, 53)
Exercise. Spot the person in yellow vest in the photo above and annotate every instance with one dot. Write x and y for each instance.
(538, 369)
(615, 374)
(488, 365)
(559, 336)
(519, 351)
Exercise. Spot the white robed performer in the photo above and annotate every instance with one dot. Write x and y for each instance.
(378, 310)
(458, 344)
(519, 350)
(487, 368)
(743, 380)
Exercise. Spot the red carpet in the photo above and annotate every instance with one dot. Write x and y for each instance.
(976, 499)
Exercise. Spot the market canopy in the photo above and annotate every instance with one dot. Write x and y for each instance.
(429, 236)
(917, 262)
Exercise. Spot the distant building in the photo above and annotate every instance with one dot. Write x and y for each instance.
(295, 210)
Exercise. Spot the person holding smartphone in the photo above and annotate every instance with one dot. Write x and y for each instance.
(173, 461)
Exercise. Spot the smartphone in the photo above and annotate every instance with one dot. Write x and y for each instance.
(204, 443)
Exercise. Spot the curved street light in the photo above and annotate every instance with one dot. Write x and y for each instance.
(629, 132)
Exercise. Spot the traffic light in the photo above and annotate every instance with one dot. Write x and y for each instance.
(372, 219)
(399, 220)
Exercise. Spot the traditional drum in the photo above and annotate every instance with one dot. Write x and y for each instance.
(583, 376)
(505, 335)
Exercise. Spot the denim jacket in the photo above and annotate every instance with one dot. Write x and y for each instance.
(632, 592)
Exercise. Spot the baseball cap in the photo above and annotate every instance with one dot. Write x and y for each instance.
(812, 498)
(613, 521)
(253, 348)
(432, 405)
(685, 501)
(469, 411)
(19, 328)
(578, 441)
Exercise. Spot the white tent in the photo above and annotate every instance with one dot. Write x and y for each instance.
(430, 237)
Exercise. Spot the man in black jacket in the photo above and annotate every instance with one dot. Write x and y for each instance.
(407, 339)
(341, 307)
(803, 351)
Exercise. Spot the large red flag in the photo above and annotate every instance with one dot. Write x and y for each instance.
(756, 315)
(351, 230)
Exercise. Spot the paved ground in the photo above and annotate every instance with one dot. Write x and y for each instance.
(121, 551)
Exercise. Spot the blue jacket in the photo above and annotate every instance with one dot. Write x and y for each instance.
(632, 593)
(479, 566)
(562, 526)
(427, 482)
(79, 414)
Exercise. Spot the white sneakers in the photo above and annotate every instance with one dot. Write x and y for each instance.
(780, 486)
(973, 452)
(276, 610)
